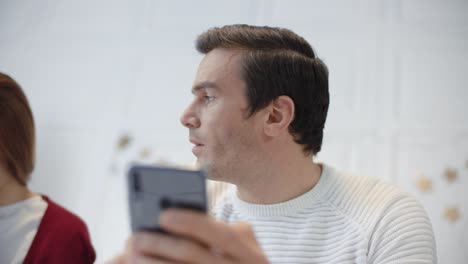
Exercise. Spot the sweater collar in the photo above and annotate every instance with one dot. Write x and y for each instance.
(286, 208)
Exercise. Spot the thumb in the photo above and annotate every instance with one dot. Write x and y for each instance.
(245, 232)
(123, 257)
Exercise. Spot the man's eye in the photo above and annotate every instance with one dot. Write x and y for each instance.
(208, 99)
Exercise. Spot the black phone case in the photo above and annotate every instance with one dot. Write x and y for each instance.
(152, 189)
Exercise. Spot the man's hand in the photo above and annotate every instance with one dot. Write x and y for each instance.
(198, 238)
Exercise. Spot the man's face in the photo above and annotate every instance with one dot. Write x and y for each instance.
(225, 139)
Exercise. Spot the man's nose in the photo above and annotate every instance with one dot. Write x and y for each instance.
(189, 119)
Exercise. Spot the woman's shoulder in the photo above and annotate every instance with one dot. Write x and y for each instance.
(64, 231)
(62, 219)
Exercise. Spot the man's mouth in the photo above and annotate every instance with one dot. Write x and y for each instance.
(196, 150)
(196, 142)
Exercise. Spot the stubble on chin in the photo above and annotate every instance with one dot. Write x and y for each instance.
(213, 173)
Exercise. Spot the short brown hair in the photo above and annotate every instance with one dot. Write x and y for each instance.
(278, 62)
(17, 135)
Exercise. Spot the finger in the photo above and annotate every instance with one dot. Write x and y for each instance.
(244, 230)
(123, 257)
(120, 259)
(172, 248)
(204, 228)
(247, 234)
(140, 259)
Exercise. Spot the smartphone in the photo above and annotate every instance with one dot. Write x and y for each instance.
(152, 189)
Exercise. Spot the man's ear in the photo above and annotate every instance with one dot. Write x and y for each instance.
(280, 116)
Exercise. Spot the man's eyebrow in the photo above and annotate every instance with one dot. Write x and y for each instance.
(204, 85)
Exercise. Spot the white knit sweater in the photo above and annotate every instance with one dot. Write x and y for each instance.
(343, 219)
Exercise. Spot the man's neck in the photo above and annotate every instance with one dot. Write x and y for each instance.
(282, 181)
(11, 191)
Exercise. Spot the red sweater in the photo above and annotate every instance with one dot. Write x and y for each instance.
(61, 237)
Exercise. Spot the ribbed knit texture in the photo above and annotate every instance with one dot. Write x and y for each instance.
(343, 219)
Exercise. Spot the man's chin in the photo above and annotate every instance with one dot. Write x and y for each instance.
(202, 164)
(207, 167)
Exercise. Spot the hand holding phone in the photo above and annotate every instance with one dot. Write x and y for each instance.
(152, 189)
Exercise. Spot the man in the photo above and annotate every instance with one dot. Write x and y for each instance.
(260, 104)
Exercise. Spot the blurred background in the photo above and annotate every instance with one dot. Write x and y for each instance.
(107, 81)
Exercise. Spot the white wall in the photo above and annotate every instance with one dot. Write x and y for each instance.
(97, 70)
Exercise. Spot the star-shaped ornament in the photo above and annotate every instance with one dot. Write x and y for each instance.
(424, 184)
(145, 153)
(123, 142)
(452, 214)
(451, 174)
(162, 162)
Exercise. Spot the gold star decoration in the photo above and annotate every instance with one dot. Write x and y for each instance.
(424, 184)
(452, 214)
(451, 174)
(145, 153)
(123, 142)
(162, 162)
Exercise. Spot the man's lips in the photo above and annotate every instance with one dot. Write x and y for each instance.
(196, 142)
(196, 150)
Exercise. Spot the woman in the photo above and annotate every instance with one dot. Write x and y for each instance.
(33, 228)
